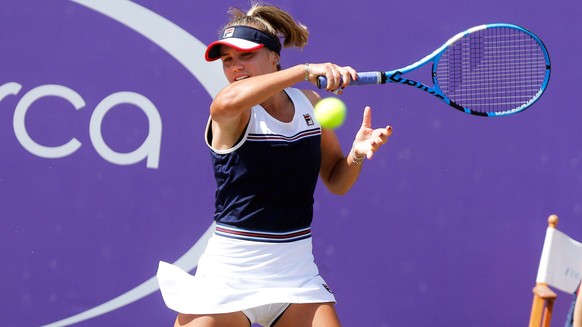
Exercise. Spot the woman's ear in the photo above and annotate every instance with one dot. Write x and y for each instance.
(275, 59)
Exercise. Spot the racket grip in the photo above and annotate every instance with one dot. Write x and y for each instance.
(365, 78)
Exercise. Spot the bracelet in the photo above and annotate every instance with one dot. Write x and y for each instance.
(357, 160)
(306, 72)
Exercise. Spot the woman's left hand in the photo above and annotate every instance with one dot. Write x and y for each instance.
(369, 140)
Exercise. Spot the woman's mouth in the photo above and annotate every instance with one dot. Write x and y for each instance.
(239, 78)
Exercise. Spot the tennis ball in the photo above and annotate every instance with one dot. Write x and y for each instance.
(330, 112)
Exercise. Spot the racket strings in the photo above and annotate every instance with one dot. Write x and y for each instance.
(492, 70)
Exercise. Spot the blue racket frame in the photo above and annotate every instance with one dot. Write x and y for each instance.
(396, 76)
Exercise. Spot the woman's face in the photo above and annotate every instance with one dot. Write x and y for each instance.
(238, 65)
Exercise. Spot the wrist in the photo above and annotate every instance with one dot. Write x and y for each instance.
(358, 160)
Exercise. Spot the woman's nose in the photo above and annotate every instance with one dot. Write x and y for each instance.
(237, 65)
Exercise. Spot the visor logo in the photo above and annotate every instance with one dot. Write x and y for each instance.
(229, 32)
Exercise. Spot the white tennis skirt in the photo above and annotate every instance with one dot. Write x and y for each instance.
(235, 275)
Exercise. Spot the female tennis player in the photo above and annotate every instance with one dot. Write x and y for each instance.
(267, 151)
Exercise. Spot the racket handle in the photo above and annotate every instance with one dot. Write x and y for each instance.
(363, 79)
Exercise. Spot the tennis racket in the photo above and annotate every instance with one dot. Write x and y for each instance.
(488, 70)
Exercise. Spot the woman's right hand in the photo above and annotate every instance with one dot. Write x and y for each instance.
(338, 77)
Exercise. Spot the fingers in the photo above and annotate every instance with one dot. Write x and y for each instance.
(367, 119)
(337, 77)
(334, 78)
(348, 74)
(373, 138)
(376, 141)
(367, 123)
(353, 73)
(383, 134)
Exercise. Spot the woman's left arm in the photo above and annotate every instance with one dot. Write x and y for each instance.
(339, 172)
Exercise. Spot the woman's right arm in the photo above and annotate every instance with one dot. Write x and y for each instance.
(230, 109)
(242, 95)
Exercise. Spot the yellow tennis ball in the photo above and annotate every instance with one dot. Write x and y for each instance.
(330, 112)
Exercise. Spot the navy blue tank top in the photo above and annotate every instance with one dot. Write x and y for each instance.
(265, 183)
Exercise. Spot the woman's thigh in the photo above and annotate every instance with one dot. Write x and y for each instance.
(309, 315)
(235, 319)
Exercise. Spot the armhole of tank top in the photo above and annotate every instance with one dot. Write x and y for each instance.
(237, 144)
(299, 97)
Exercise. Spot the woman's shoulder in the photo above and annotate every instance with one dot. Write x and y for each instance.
(311, 95)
